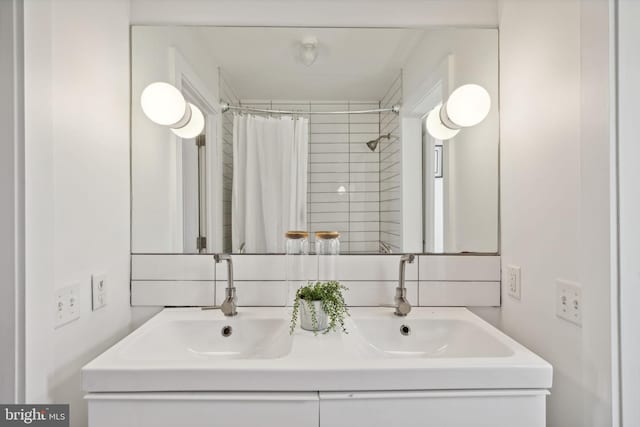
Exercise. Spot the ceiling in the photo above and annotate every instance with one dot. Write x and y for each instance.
(352, 63)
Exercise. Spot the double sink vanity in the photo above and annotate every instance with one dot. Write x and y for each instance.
(367, 169)
(435, 367)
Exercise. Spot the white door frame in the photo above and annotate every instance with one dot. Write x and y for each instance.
(185, 78)
(12, 262)
(625, 283)
(429, 93)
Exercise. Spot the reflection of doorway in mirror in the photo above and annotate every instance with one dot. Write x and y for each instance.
(438, 199)
(190, 202)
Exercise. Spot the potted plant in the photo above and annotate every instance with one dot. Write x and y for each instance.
(321, 307)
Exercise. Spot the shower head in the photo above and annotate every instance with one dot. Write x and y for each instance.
(373, 144)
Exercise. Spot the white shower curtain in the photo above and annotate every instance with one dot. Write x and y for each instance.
(269, 181)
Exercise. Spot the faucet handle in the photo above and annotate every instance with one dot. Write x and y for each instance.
(408, 258)
(221, 257)
(403, 308)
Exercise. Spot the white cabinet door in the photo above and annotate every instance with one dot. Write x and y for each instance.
(433, 409)
(228, 409)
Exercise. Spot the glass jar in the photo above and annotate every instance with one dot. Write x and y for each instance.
(297, 243)
(327, 243)
(327, 251)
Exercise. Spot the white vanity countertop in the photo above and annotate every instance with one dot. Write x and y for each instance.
(182, 349)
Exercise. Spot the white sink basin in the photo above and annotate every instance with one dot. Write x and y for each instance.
(408, 337)
(227, 338)
(446, 349)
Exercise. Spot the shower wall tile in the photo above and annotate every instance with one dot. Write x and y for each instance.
(390, 168)
(227, 93)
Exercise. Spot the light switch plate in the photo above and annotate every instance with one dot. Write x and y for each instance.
(67, 305)
(569, 301)
(514, 282)
(98, 291)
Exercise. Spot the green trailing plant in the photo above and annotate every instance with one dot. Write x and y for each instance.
(331, 300)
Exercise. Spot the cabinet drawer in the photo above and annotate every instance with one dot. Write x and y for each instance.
(433, 409)
(242, 409)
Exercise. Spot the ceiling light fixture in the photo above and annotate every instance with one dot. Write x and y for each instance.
(467, 106)
(309, 50)
(163, 104)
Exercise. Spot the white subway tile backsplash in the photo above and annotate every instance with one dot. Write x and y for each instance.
(176, 293)
(444, 280)
(376, 293)
(459, 268)
(257, 293)
(172, 267)
(367, 267)
(269, 267)
(460, 294)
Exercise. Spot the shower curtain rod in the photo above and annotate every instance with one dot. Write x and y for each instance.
(224, 106)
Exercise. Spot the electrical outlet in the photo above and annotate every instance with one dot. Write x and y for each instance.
(514, 282)
(98, 291)
(67, 306)
(569, 301)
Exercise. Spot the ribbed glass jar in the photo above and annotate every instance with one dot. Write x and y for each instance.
(327, 243)
(297, 243)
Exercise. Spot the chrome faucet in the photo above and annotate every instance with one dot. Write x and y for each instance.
(400, 301)
(229, 306)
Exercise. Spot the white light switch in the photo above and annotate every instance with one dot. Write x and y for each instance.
(67, 305)
(514, 281)
(569, 301)
(98, 291)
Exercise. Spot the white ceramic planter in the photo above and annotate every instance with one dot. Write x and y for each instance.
(305, 316)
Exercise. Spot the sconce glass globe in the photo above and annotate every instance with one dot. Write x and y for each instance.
(436, 128)
(194, 126)
(468, 105)
(163, 104)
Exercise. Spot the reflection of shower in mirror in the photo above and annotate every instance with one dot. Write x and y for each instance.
(373, 144)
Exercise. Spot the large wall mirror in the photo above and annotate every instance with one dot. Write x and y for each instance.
(302, 132)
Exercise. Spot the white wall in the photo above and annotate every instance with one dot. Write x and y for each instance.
(77, 186)
(12, 205)
(472, 169)
(154, 148)
(555, 180)
(629, 199)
